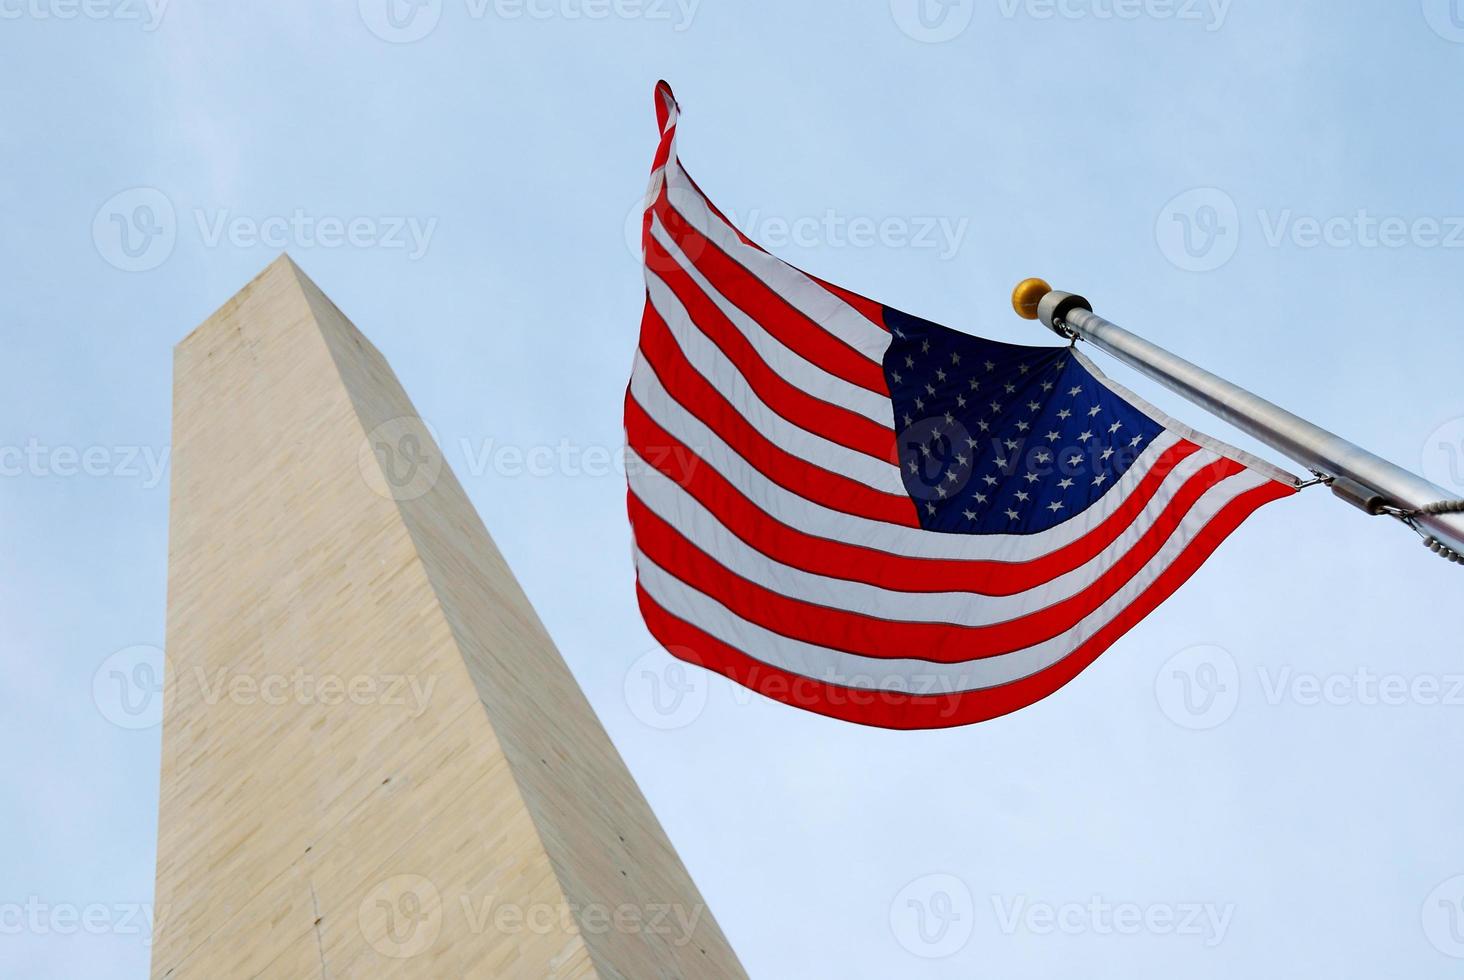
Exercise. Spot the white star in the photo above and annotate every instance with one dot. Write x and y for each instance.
(960, 460)
(989, 480)
(1094, 410)
(990, 366)
(960, 401)
(914, 468)
(920, 404)
(1047, 386)
(1076, 391)
(909, 361)
(1107, 453)
(1053, 436)
(924, 449)
(1136, 440)
(953, 477)
(1022, 368)
(940, 375)
(1114, 427)
(925, 347)
(984, 426)
(1075, 460)
(908, 420)
(1086, 436)
(1013, 515)
(1055, 506)
(1099, 480)
(930, 508)
(995, 409)
(1064, 415)
(1031, 477)
(1011, 444)
(1023, 496)
(1023, 426)
(1065, 484)
(1010, 388)
(941, 491)
(955, 358)
(1043, 456)
(1033, 406)
(896, 376)
(975, 385)
(981, 498)
(930, 389)
(970, 514)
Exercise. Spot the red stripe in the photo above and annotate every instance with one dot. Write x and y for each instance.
(757, 299)
(872, 311)
(834, 422)
(868, 308)
(684, 384)
(872, 636)
(887, 709)
(856, 563)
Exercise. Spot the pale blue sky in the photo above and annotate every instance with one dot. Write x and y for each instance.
(1038, 137)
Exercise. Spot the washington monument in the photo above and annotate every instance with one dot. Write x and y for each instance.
(375, 762)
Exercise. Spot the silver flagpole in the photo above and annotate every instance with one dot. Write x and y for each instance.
(1368, 482)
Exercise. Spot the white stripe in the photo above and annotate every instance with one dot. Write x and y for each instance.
(687, 515)
(787, 362)
(805, 515)
(805, 295)
(914, 675)
(709, 361)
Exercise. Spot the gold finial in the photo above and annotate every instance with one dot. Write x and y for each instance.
(1027, 295)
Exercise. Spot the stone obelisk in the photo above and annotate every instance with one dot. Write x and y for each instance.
(375, 762)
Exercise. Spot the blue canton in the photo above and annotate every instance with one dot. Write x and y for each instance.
(1003, 439)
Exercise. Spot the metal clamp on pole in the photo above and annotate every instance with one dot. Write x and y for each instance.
(1362, 479)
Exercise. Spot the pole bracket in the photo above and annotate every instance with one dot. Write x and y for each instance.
(1053, 309)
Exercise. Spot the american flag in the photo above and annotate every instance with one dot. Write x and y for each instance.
(871, 516)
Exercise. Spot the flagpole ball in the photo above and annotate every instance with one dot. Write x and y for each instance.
(1027, 295)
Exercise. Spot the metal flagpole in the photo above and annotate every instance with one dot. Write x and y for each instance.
(1357, 476)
